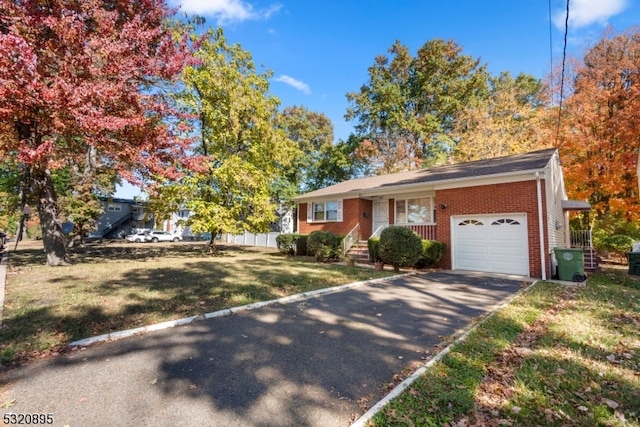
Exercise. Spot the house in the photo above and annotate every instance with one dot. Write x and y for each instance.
(122, 217)
(175, 224)
(502, 215)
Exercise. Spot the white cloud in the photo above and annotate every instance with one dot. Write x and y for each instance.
(226, 11)
(301, 86)
(583, 13)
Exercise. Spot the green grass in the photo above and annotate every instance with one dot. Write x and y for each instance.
(554, 357)
(112, 287)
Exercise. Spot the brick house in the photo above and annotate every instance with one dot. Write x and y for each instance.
(502, 215)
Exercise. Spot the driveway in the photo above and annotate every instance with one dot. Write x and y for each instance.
(317, 362)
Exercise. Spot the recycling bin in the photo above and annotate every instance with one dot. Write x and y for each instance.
(570, 264)
(634, 263)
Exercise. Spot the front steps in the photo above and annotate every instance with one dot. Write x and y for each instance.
(359, 252)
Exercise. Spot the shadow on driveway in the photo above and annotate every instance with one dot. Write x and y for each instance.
(318, 362)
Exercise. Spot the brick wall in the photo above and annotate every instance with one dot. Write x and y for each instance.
(519, 197)
(353, 211)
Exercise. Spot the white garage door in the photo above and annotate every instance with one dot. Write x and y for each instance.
(492, 243)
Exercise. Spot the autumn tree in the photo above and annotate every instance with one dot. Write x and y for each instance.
(80, 77)
(405, 112)
(242, 150)
(599, 134)
(509, 120)
(312, 133)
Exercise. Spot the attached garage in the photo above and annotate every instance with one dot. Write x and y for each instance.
(491, 243)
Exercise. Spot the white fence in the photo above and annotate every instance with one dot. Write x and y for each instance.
(267, 240)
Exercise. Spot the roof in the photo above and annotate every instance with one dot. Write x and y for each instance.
(575, 205)
(534, 161)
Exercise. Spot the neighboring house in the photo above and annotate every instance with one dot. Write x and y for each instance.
(122, 217)
(176, 223)
(502, 215)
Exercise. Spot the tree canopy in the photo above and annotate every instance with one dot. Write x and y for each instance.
(83, 76)
(406, 111)
(599, 134)
(241, 151)
(509, 120)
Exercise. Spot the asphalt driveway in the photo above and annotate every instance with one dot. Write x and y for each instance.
(317, 362)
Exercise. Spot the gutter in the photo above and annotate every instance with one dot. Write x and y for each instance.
(543, 258)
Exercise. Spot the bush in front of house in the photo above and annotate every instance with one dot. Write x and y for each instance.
(400, 247)
(323, 245)
(292, 243)
(432, 253)
(373, 245)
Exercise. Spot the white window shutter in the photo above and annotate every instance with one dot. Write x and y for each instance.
(339, 219)
(309, 212)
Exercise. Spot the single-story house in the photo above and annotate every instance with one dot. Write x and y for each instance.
(502, 215)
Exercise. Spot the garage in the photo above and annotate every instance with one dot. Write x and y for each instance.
(491, 243)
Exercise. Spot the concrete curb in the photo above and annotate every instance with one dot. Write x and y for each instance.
(226, 312)
(464, 333)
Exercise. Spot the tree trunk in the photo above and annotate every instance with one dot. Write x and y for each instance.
(54, 242)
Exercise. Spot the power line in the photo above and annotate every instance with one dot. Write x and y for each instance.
(564, 57)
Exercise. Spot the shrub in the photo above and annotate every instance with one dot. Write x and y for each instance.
(432, 253)
(301, 244)
(285, 244)
(292, 244)
(400, 247)
(373, 244)
(323, 245)
(617, 244)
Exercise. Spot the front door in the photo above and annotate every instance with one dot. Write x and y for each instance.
(380, 215)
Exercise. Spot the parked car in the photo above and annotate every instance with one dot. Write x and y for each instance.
(138, 237)
(161, 236)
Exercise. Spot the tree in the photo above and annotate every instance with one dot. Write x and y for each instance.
(599, 136)
(81, 77)
(405, 113)
(507, 121)
(241, 150)
(313, 134)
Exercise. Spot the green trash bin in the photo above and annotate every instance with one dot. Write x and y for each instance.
(634, 263)
(570, 264)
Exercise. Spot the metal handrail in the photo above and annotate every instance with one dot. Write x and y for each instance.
(378, 231)
(350, 239)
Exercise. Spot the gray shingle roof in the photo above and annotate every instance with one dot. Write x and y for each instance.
(534, 161)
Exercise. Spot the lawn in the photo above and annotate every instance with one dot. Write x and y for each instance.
(117, 286)
(555, 357)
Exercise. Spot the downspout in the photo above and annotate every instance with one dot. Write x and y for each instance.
(543, 257)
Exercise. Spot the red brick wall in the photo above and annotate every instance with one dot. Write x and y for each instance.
(518, 197)
(353, 211)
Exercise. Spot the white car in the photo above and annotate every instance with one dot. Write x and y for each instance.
(138, 237)
(161, 236)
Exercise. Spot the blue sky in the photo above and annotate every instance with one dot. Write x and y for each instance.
(321, 50)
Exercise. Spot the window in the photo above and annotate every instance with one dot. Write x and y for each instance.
(112, 207)
(414, 211)
(135, 209)
(325, 211)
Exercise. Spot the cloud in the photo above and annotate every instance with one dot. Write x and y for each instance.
(297, 84)
(583, 13)
(226, 11)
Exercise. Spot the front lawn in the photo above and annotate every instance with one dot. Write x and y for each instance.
(117, 286)
(554, 357)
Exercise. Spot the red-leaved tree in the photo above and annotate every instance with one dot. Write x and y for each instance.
(81, 83)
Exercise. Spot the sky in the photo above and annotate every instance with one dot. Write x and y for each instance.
(319, 51)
